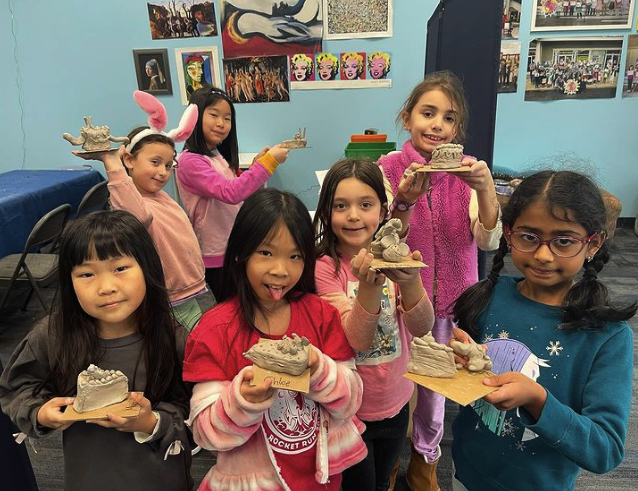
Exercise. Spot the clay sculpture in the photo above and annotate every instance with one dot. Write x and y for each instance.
(298, 141)
(99, 388)
(447, 156)
(387, 243)
(427, 357)
(94, 138)
(287, 355)
(478, 361)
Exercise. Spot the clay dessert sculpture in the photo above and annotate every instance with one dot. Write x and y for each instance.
(388, 250)
(298, 141)
(446, 158)
(285, 355)
(284, 362)
(94, 138)
(427, 357)
(432, 365)
(100, 391)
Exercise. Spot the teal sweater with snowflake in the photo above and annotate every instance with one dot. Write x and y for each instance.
(588, 376)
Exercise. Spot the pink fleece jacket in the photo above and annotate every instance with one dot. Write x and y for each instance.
(171, 231)
(442, 232)
(212, 195)
(385, 389)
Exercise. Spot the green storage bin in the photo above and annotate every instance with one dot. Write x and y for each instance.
(372, 150)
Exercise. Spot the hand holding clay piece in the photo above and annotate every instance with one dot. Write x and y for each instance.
(286, 355)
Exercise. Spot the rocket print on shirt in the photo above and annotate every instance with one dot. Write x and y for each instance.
(291, 424)
(386, 345)
(509, 355)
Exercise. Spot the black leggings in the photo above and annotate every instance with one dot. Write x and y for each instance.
(385, 440)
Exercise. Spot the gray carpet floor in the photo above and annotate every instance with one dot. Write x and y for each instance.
(620, 275)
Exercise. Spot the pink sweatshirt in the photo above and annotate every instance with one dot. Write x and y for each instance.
(172, 233)
(212, 195)
(385, 389)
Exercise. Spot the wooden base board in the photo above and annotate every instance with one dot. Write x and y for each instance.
(464, 387)
(405, 263)
(128, 408)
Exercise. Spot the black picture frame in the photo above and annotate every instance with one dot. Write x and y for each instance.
(159, 59)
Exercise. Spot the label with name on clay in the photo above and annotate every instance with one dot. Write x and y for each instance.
(285, 381)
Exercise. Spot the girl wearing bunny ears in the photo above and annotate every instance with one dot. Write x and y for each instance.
(148, 159)
(211, 186)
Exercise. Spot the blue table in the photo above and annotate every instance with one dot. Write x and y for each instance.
(27, 195)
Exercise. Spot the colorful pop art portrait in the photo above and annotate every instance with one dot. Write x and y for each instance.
(302, 67)
(327, 66)
(353, 66)
(378, 65)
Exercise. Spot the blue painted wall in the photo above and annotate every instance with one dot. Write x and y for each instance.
(63, 59)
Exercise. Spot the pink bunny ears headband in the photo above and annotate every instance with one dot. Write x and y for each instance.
(157, 120)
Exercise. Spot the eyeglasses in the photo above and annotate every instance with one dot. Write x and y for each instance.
(560, 245)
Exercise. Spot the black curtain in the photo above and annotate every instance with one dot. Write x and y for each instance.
(464, 36)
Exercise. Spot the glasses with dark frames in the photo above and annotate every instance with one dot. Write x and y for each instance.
(560, 245)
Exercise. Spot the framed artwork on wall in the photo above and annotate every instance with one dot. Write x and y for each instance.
(196, 68)
(153, 73)
(349, 19)
(580, 15)
(573, 68)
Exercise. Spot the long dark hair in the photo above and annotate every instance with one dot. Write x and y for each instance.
(258, 218)
(73, 332)
(568, 196)
(196, 143)
(362, 169)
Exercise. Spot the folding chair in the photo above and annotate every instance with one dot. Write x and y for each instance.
(95, 199)
(33, 267)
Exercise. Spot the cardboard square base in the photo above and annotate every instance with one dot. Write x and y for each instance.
(293, 146)
(128, 408)
(281, 380)
(405, 263)
(464, 387)
(429, 169)
(93, 153)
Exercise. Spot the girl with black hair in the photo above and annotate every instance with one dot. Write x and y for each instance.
(210, 184)
(112, 310)
(562, 352)
(269, 438)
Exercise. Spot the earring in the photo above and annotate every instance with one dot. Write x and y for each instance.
(589, 258)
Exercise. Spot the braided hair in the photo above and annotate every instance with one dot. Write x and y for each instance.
(568, 196)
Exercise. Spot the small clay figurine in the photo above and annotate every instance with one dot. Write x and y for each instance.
(298, 141)
(387, 243)
(478, 361)
(286, 355)
(94, 138)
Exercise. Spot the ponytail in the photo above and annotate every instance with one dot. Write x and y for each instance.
(587, 304)
(473, 301)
